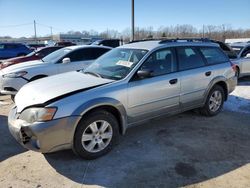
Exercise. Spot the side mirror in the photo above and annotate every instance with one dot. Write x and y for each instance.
(144, 73)
(66, 60)
(248, 55)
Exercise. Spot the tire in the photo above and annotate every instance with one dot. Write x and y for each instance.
(22, 54)
(211, 108)
(237, 73)
(89, 128)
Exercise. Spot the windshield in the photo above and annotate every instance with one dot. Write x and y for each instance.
(237, 49)
(117, 63)
(56, 55)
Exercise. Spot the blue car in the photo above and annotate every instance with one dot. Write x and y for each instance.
(10, 50)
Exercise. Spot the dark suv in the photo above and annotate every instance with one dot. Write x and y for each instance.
(9, 50)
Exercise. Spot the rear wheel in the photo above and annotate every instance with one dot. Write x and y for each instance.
(214, 101)
(22, 54)
(96, 135)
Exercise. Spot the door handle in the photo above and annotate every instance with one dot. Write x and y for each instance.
(173, 81)
(208, 73)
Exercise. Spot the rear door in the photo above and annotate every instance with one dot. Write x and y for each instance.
(245, 61)
(157, 94)
(194, 76)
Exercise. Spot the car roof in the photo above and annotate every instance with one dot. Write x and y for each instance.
(240, 44)
(86, 46)
(18, 43)
(150, 45)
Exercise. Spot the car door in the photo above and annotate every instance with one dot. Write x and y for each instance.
(194, 76)
(245, 61)
(157, 94)
(78, 60)
(81, 58)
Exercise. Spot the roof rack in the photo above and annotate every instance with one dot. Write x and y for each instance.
(150, 39)
(166, 40)
(185, 40)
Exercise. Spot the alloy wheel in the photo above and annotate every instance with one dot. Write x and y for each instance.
(97, 136)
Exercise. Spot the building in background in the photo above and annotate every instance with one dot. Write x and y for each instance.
(50, 40)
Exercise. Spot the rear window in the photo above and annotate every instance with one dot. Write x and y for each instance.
(189, 58)
(213, 55)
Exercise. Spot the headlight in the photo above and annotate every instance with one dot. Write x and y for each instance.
(15, 74)
(31, 115)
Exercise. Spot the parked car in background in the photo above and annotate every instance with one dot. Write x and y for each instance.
(88, 110)
(9, 50)
(227, 49)
(67, 59)
(35, 46)
(65, 44)
(108, 42)
(243, 58)
(35, 55)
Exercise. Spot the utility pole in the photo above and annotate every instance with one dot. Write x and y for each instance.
(203, 31)
(133, 21)
(51, 33)
(35, 30)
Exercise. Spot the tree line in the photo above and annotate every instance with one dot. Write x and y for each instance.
(220, 32)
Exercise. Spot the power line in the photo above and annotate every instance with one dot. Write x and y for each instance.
(18, 25)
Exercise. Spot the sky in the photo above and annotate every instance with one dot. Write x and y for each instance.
(17, 16)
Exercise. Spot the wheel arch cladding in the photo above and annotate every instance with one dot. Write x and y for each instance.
(111, 105)
(224, 86)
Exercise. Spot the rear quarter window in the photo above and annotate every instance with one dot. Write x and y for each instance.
(213, 55)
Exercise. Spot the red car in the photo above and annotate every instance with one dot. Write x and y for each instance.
(35, 55)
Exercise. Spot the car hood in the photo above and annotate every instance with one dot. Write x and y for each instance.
(46, 89)
(22, 66)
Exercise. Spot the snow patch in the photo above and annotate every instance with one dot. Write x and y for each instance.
(239, 99)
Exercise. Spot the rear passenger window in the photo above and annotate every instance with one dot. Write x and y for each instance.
(213, 55)
(97, 52)
(161, 62)
(189, 58)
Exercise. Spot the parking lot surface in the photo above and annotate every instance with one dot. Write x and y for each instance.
(186, 150)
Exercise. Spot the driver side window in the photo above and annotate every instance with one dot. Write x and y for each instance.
(160, 62)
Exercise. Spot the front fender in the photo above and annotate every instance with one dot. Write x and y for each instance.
(104, 101)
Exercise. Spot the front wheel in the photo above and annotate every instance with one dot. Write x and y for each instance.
(214, 101)
(96, 135)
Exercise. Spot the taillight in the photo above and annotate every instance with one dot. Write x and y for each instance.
(233, 66)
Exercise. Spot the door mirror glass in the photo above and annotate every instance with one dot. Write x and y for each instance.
(66, 60)
(146, 73)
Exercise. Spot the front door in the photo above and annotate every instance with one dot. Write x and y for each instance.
(157, 94)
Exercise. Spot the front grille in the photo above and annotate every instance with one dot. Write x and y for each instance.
(24, 137)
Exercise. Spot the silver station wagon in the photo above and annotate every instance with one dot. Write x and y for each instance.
(88, 110)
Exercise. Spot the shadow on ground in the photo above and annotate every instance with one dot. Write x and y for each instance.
(175, 151)
(8, 145)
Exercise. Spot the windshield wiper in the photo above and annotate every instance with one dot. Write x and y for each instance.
(93, 73)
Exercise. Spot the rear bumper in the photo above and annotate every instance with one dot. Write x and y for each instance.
(44, 137)
(232, 83)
